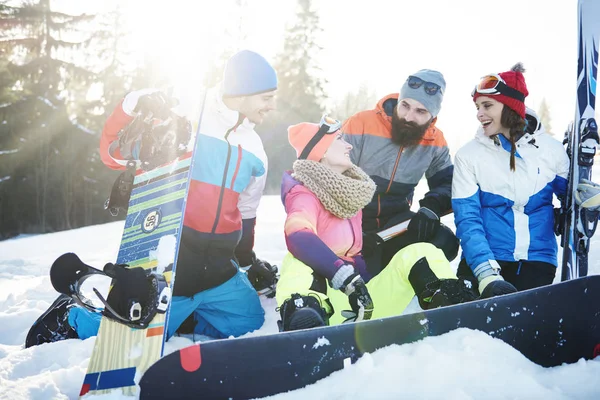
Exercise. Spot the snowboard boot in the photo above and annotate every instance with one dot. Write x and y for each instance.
(301, 312)
(433, 292)
(52, 325)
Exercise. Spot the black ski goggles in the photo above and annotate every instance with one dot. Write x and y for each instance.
(430, 88)
(327, 126)
(494, 85)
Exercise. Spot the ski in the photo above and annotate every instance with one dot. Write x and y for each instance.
(550, 325)
(582, 140)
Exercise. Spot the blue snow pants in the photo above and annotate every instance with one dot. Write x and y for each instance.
(230, 309)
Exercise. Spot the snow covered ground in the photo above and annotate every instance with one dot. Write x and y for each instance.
(463, 364)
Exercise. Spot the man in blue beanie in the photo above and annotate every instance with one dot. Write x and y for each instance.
(398, 143)
(249, 85)
(218, 274)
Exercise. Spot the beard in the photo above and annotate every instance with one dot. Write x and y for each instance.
(406, 134)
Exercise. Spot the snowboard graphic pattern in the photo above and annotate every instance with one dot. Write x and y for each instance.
(155, 212)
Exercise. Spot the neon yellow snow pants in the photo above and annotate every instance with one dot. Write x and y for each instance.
(391, 290)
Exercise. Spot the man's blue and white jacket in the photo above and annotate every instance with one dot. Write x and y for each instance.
(508, 215)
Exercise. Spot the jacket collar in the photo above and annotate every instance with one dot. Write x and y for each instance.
(500, 141)
(227, 116)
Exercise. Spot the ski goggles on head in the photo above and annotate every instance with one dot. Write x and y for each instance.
(327, 126)
(414, 82)
(493, 84)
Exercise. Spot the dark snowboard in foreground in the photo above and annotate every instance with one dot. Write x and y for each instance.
(551, 325)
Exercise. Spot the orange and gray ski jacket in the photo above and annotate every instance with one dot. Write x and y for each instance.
(397, 170)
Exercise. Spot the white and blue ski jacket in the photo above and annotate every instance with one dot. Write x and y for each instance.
(508, 215)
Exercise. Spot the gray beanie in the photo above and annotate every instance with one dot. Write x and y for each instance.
(433, 103)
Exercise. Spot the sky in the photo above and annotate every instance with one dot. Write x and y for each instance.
(433, 368)
(378, 43)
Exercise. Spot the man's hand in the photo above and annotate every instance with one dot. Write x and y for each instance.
(423, 225)
(263, 277)
(158, 103)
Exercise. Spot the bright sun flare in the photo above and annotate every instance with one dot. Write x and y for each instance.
(180, 37)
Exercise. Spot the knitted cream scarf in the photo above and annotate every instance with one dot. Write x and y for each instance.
(343, 195)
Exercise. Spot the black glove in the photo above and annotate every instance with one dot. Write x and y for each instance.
(263, 277)
(559, 221)
(497, 287)
(158, 103)
(360, 300)
(423, 225)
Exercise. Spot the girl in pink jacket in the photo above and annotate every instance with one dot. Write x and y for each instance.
(324, 278)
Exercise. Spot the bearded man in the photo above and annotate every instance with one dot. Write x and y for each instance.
(396, 144)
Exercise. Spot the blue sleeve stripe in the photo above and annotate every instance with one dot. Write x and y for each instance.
(470, 230)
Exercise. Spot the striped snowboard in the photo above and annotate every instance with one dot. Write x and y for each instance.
(156, 207)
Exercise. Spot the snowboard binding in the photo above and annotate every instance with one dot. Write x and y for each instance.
(137, 295)
(121, 191)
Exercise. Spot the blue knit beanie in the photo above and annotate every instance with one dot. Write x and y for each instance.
(248, 73)
(433, 104)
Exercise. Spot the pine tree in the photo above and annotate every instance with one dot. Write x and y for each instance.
(301, 85)
(41, 45)
(300, 95)
(235, 36)
(352, 102)
(544, 115)
(52, 177)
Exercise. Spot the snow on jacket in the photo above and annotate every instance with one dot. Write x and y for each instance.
(397, 170)
(508, 215)
(315, 236)
(228, 179)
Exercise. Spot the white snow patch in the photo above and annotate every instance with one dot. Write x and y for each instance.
(56, 370)
(136, 352)
(322, 341)
(164, 253)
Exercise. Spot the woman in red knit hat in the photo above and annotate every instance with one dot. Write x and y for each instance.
(324, 279)
(502, 192)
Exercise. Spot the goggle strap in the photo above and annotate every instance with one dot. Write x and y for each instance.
(503, 89)
(323, 129)
(510, 92)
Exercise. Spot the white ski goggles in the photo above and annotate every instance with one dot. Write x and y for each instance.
(327, 126)
(493, 84)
